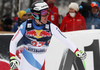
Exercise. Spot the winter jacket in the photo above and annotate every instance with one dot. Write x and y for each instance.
(93, 21)
(53, 15)
(15, 27)
(73, 24)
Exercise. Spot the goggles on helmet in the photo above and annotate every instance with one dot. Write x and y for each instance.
(35, 15)
(45, 12)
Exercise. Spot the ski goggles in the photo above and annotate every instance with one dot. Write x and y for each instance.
(45, 12)
(29, 14)
(25, 15)
(36, 14)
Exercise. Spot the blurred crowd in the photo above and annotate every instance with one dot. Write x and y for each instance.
(79, 17)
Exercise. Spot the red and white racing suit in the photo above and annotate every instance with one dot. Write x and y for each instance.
(36, 39)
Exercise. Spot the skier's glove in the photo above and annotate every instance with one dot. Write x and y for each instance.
(81, 54)
(14, 63)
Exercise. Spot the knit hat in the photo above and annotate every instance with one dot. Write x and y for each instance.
(28, 10)
(74, 6)
(22, 12)
(94, 4)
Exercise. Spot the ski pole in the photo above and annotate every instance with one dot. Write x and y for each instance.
(84, 64)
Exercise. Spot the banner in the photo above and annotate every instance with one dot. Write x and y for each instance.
(58, 56)
(4, 50)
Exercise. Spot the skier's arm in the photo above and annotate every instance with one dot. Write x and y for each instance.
(15, 39)
(56, 32)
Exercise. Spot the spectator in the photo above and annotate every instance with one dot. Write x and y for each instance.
(84, 9)
(15, 18)
(99, 11)
(53, 15)
(93, 21)
(7, 22)
(28, 11)
(73, 20)
(1, 25)
(23, 17)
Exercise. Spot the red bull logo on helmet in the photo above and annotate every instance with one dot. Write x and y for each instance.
(38, 33)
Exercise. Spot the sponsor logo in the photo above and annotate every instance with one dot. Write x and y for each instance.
(47, 26)
(21, 27)
(29, 25)
(78, 19)
(36, 50)
(38, 33)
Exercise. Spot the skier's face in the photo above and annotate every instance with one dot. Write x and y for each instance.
(44, 19)
(44, 16)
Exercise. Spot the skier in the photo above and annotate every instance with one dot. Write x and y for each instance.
(37, 34)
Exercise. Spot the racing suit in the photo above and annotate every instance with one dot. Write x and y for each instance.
(36, 39)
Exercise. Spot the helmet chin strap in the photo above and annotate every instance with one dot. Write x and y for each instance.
(41, 22)
(40, 19)
(38, 22)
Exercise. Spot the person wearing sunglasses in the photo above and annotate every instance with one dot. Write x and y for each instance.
(37, 34)
(23, 17)
(28, 12)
